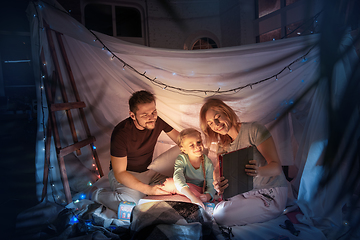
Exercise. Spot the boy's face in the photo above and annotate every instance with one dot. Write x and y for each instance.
(145, 117)
(192, 145)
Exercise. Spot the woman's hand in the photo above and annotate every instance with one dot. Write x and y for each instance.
(205, 197)
(220, 184)
(252, 169)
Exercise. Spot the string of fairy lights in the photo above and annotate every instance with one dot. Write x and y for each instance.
(56, 195)
(165, 86)
(154, 81)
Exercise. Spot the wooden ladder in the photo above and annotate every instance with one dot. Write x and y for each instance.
(50, 85)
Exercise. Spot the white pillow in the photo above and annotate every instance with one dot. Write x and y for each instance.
(164, 163)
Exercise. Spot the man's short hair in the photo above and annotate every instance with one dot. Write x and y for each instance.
(140, 97)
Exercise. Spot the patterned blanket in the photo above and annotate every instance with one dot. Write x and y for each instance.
(172, 220)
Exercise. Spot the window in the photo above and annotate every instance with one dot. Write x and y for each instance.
(98, 17)
(204, 43)
(299, 28)
(125, 23)
(267, 6)
(270, 36)
(288, 2)
(283, 19)
(128, 22)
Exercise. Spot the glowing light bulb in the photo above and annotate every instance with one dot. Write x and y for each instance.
(73, 220)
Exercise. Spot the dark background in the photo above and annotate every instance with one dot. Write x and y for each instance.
(18, 122)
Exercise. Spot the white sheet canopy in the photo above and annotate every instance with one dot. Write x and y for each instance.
(274, 75)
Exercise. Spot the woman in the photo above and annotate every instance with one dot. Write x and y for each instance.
(268, 198)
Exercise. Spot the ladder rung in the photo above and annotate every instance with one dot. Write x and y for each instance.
(66, 106)
(71, 148)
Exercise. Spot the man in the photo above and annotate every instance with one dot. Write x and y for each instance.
(132, 145)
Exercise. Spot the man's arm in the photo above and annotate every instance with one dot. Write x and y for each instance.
(119, 165)
(173, 134)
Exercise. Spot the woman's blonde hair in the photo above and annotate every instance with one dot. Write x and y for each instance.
(218, 106)
(186, 132)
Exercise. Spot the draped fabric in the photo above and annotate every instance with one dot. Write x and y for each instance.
(262, 82)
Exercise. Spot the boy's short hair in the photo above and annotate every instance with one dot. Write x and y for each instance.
(140, 97)
(186, 132)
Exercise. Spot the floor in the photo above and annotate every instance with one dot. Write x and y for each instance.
(17, 138)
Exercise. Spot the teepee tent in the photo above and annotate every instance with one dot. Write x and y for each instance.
(275, 83)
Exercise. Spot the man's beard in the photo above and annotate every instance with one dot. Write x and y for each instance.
(145, 125)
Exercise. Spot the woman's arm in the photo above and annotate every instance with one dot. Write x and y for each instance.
(273, 168)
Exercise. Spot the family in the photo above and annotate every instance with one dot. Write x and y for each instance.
(132, 145)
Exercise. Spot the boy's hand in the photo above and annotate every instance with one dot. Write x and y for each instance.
(205, 197)
(197, 201)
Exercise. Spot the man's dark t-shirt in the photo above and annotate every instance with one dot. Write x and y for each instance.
(137, 145)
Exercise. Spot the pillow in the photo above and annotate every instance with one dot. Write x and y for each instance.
(164, 163)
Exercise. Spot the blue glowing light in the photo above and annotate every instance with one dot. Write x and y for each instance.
(94, 147)
(73, 220)
(83, 196)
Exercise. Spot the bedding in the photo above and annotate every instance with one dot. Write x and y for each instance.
(160, 219)
(164, 163)
(172, 220)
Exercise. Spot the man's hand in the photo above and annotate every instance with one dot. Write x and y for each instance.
(220, 184)
(156, 190)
